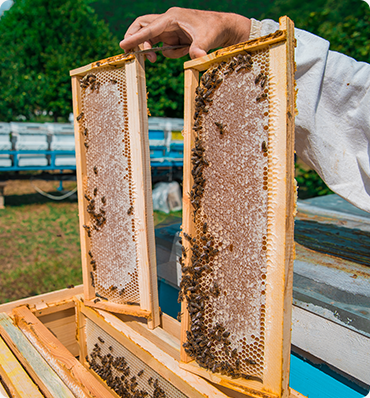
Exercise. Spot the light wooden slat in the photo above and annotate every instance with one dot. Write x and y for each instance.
(171, 325)
(69, 369)
(63, 325)
(15, 377)
(188, 383)
(133, 310)
(191, 82)
(44, 302)
(203, 63)
(81, 175)
(144, 223)
(114, 62)
(46, 379)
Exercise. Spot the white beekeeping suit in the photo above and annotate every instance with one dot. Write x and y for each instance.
(333, 121)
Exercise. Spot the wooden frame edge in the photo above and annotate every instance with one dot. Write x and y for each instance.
(205, 62)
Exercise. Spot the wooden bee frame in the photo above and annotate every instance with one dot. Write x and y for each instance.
(275, 98)
(111, 133)
(150, 356)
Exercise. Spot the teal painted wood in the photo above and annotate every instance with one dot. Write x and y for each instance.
(314, 383)
(350, 244)
(47, 375)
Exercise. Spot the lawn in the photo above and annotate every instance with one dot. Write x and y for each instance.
(39, 241)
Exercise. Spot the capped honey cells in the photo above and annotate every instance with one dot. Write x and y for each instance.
(109, 189)
(224, 261)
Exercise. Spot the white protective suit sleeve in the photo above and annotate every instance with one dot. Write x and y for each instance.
(333, 121)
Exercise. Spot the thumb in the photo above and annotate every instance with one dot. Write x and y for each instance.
(197, 50)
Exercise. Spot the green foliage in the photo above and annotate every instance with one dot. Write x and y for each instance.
(347, 29)
(310, 183)
(40, 42)
(165, 84)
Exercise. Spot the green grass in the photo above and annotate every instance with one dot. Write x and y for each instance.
(40, 245)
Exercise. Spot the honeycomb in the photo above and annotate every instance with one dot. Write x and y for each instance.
(109, 187)
(224, 272)
(124, 372)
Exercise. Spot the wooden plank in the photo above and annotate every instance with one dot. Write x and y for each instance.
(290, 191)
(81, 175)
(58, 307)
(114, 62)
(63, 325)
(69, 369)
(250, 388)
(171, 326)
(80, 333)
(14, 376)
(278, 149)
(189, 384)
(296, 394)
(47, 380)
(2, 390)
(191, 82)
(43, 302)
(133, 310)
(203, 63)
(144, 223)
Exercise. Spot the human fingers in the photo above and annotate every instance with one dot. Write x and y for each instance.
(139, 23)
(146, 33)
(180, 52)
(152, 57)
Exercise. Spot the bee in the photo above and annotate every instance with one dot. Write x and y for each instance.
(85, 132)
(264, 146)
(150, 381)
(205, 228)
(121, 291)
(92, 279)
(141, 372)
(130, 210)
(113, 81)
(103, 200)
(258, 78)
(179, 316)
(262, 97)
(263, 81)
(95, 191)
(98, 295)
(101, 340)
(113, 288)
(90, 254)
(86, 145)
(95, 170)
(80, 116)
(96, 300)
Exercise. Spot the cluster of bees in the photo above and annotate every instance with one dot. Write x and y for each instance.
(90, 81)
(116, 372)
(202, 342)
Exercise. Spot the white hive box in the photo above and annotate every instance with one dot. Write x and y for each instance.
(30, 137)
(62, 139)
(5, 144)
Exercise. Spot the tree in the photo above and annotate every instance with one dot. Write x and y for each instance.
(40, 42)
